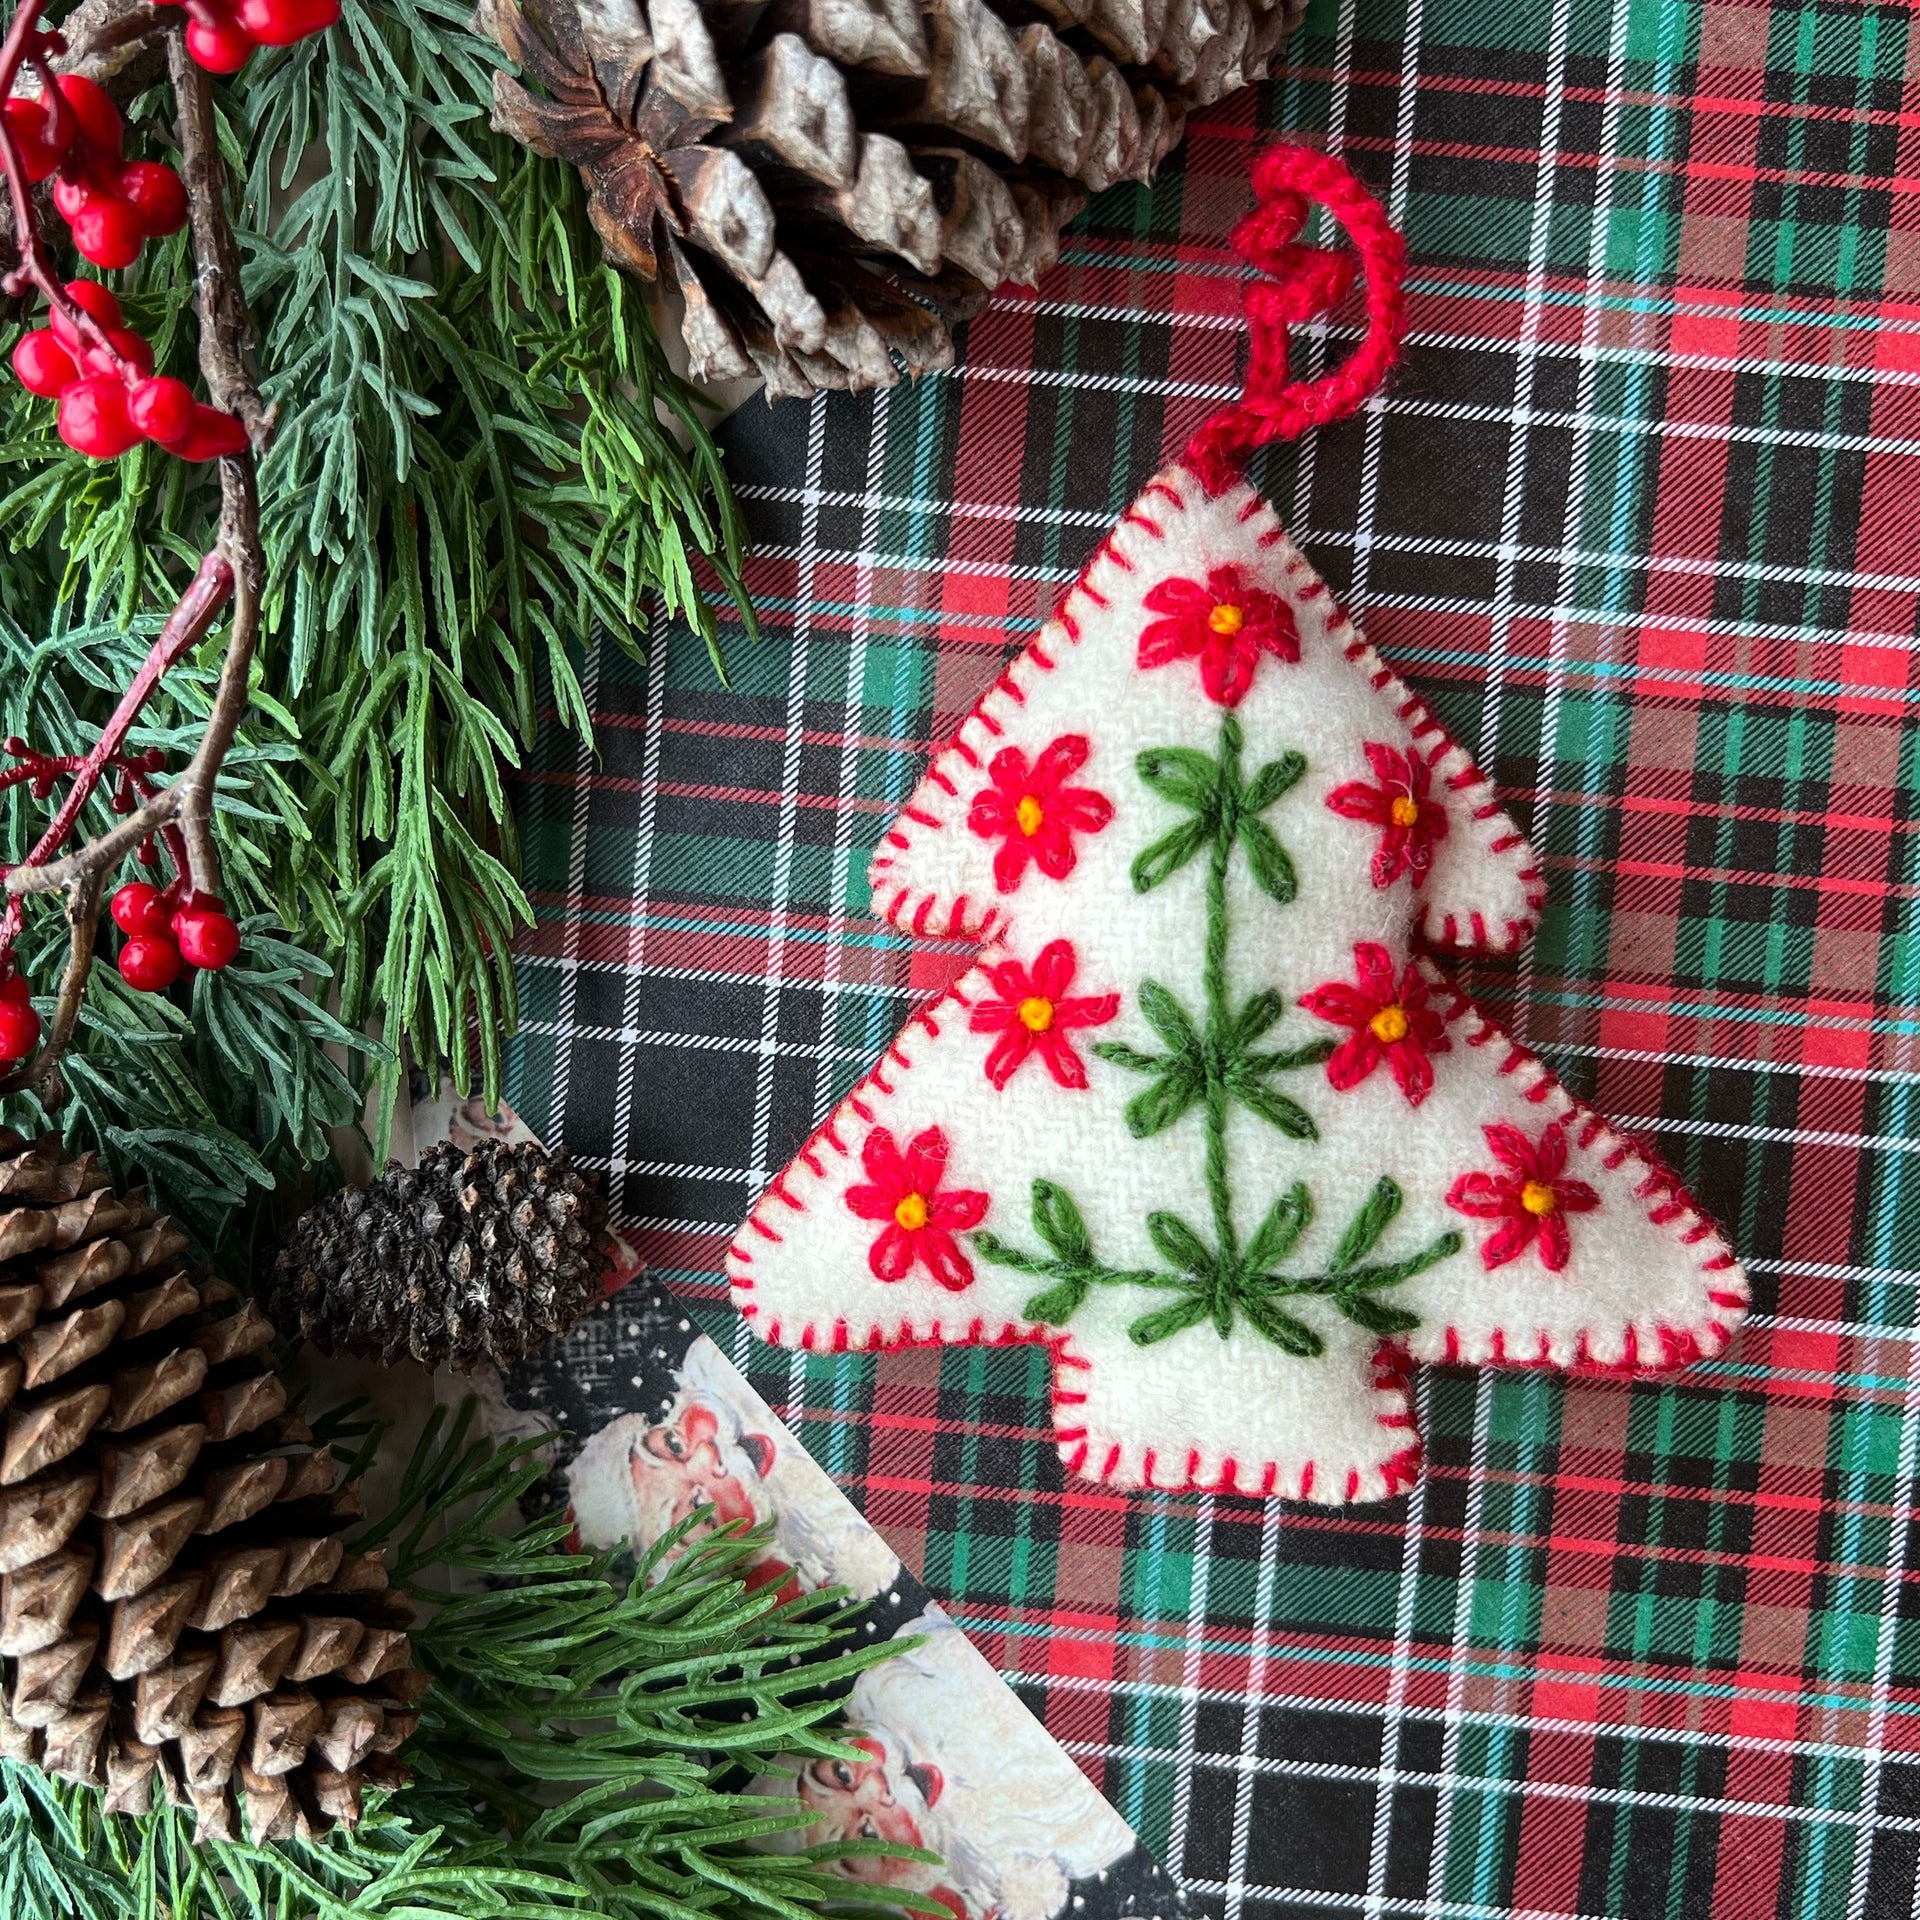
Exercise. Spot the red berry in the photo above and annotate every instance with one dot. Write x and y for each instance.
(218, 45)
(108, 232)
(14, 987)
(71, 197)
(45, 367)
(124, 352)
(93, 418)
(163, 409)
(207, 935)
(279, 23)
(27, 122)
(100, 301)
(155, 193)
(19, 1028)
(211, 436)
(93, 299)
(99, 118)
(149, 962)
(141, 908)
(133, 351)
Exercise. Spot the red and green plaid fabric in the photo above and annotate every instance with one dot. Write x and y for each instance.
(1641, 517)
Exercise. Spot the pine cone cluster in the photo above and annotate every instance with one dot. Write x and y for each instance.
(177, 1609)
(833, 184)
(470, 1256)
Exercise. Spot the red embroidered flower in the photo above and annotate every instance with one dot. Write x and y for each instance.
(1033, 813)
(1409, 822)
(904, 1191)
(1226, 624)
(1531, 1199)
(1389, 1022)
(1033, 1015)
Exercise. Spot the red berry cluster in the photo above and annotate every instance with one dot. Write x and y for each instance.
(221, 34)
(19, 1024)
(112, 204)
(112, 400)
(162, 935)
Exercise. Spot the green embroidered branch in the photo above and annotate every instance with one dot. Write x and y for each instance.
(1058, 1222)
(1181, 1075)
(1216, 1066)
(1225, 809)
(1219, 1283)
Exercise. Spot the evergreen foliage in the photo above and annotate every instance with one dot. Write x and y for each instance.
(577, 1759)
(215, 1103)
(482, 460)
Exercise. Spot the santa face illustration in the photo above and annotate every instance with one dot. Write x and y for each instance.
(686, 1461)
(699, 1463)
(854, 1800)
(710, 1453)
(1015, 1820)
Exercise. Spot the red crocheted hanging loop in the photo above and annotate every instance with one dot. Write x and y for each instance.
(1303, 281)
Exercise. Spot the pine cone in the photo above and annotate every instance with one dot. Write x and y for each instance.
(466, 1257)
(177, 1606)
(834, 183)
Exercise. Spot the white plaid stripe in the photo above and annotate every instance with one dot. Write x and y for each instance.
(1190, 1695)
(1258, 1679)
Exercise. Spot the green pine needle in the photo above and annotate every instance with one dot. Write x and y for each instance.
(581, 1755)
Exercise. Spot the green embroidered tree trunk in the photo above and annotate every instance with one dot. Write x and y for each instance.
(1213, 1067)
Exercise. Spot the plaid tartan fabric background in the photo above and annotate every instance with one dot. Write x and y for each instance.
(1639, 516)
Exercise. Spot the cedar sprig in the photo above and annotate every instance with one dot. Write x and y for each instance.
(58, 682)
(578, 1757)
(220, 589)
(219, 1106)
(481, 462)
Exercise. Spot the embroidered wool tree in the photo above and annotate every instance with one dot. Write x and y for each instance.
(1205, 1117)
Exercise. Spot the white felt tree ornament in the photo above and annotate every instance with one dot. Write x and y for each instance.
(1205, 1118)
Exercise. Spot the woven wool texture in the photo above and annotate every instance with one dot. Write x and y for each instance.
(1078, 822)
(1635, 519)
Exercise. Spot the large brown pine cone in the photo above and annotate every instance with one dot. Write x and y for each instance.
(177, 1607)
(833, 183)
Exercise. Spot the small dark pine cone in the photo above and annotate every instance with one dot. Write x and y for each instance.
(178, 1610)
(469, 1256)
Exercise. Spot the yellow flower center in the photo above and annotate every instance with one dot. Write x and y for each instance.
(1405, 811)
(1389, 1025)
(1226, 620)
(1036, 1014)
(911, 1213)
(1537, 1197)
(1027, 815)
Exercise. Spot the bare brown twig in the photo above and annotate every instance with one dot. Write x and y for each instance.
(104, 36)
(230, 578)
